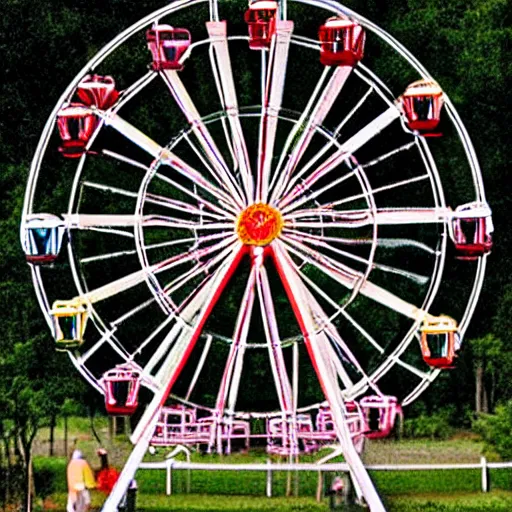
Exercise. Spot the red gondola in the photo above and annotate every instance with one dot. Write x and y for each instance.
(43, 238)
(167, 46)
(261, 20)
(76, 124)
(341, 42)
(380, 412)
(97, 90)
(422, 102)
(472, 229)
(439, 341)
(121, 386)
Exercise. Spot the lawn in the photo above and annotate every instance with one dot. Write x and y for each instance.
(496, 501)
(447, 491)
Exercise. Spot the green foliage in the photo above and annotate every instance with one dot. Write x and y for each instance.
(433, 426)
(496, 430)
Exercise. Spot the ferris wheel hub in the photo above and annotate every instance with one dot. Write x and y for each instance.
(259, 224)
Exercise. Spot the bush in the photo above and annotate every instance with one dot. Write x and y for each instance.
(433, 426)
(496, 430)
(12, 482)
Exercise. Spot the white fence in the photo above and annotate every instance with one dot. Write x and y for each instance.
(172, 464)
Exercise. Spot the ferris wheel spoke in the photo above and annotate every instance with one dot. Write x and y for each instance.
(392, 243)
(384, 188)
(322, 365)
(106, 338)
(278, 180)
(324, 242)
(163, 201)
(271, 104)
(174, 184)
(197, 270)
(220, 170)
(328, 265)
(359, 218)
(268, 315)
(336, 133)
(184, 313)
(87, 221)
(412, 369)
(234, 363)
(181, 316)
(389, 154)
(200, 311)
(130, 92)
(330, 339)
(160, 245)
(228, 211)
(160, 153)
(351, 279)
(224, 81)
(346, 149)
(181, 206)
(334, 304)
(237, 204)
(109, 188)
(304, 190)
(313, 116)
(136, 278)
(125, 159)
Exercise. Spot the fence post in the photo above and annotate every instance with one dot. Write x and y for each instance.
(168, 483)
(320, 486)
(269, 478)
(485, 475)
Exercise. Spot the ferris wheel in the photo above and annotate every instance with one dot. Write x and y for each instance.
(201, 194)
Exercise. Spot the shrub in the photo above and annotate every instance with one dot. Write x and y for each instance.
(496, 430)
(434, 426)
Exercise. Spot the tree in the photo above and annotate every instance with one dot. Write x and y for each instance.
(496, 428)
(487, 353)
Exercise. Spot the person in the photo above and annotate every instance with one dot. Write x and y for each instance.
(106, 476)
(80, 479)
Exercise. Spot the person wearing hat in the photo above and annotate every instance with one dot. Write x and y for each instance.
(80, 480)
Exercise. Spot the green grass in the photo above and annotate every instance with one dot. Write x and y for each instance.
(411, 491)
(496, 501)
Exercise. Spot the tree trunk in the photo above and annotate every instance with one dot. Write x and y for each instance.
(53, 421)
(492, 393)
(7, 482)
(119, 425)
(66, 437)
(111, 428)
(485, 399)
(29, 484)
(479, 374)
(25, 445)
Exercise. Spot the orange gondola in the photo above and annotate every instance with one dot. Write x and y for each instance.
(439, 341)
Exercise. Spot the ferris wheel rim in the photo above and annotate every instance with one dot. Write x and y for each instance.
(179, 5)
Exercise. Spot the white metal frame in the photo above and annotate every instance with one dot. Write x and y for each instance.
(217, 197)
